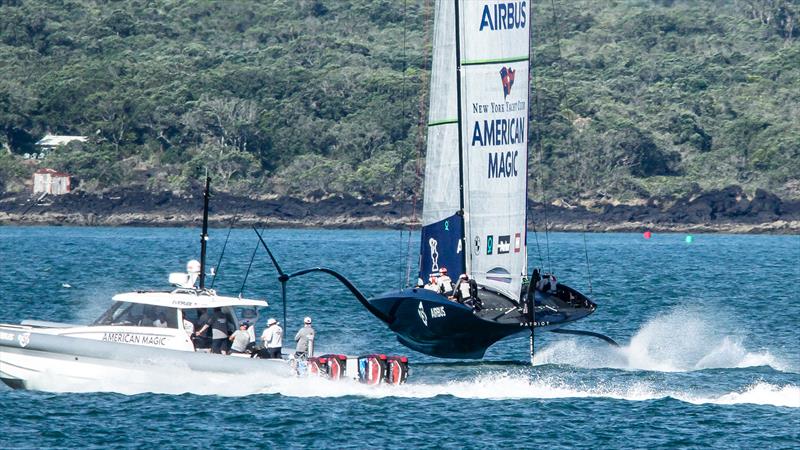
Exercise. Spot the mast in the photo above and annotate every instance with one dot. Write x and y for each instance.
(527, 160)
(460, 138)
(204, 234)
(446, 202)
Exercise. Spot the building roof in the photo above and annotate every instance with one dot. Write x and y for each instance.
(52, 140)
(52, 172)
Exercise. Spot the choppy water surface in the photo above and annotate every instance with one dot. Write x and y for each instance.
(709, 356)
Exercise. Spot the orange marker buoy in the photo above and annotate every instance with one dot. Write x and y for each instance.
(647, 235)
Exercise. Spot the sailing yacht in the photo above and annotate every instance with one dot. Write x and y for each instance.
(474, 214)
(475, 203)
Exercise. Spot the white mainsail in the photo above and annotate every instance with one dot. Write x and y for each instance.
(492, 45)
(495, 50)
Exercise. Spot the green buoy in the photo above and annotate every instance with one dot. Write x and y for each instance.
(689, 239)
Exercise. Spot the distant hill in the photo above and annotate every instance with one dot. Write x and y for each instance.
(315, 97)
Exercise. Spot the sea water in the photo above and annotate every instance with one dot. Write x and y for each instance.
(708, 332)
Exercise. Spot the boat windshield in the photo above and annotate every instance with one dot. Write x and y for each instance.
(137, 314)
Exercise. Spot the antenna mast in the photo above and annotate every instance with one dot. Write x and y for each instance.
(204, 235)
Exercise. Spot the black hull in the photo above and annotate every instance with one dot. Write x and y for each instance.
(431, 324)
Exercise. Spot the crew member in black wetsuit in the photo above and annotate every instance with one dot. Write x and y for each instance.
(218, 322)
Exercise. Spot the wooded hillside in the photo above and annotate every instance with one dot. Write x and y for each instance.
(309, 97)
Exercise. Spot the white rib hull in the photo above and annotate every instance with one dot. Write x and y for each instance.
(42, 361)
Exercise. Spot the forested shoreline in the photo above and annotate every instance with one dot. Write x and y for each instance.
(317, 98)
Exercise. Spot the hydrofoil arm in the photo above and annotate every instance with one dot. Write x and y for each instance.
(587, 333)
(284, 277)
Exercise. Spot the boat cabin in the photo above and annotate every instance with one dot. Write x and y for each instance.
(164, 313)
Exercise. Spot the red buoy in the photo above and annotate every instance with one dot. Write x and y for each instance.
(647, 235)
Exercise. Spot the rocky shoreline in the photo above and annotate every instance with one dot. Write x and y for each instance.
(727, 210)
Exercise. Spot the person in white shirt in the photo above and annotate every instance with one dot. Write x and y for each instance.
(161, 321)
(273, 338)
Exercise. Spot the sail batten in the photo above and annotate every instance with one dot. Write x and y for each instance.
(495, 61)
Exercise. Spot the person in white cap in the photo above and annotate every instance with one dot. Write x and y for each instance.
(273, 338)
(305, 340)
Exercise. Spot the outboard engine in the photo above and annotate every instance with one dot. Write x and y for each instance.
(396, 369)
(331, 366)
(372, 369)
(318, 366)
(337, 366)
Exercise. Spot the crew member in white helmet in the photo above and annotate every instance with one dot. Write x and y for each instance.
(305, 340)
(444, 282)
(273, 338)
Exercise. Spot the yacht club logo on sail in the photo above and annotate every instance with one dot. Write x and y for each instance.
(507, 78)
(434, 255)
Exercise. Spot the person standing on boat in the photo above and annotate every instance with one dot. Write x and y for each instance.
(218, 322)
(305, 340)
(240, 339)
(201, 340)
(188, 326)
(273, 338)
(444, 282)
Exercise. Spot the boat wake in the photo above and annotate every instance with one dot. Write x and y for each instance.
(503, 385)
(517, 386)
(508, 388)
(678, 341)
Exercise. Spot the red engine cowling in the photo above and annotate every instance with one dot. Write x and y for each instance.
(328, 366)
(396, 369)
(372, 369)
(318, 366)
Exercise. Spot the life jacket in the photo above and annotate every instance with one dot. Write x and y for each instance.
(464, 289)
(445, 284)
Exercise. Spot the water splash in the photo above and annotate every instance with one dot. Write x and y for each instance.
(509, 386)
(519, 384)
(681, 340)
(761, 393)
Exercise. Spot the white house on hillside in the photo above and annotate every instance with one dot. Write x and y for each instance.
(51, 141)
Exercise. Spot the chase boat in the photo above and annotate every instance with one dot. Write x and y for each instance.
(146, 333)
(140, 332)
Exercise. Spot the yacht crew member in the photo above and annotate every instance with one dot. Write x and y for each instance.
(547, 283)
(273, 338)
(461, 292)
(240, 339)
(218, 322)
(432, 285)
(444, 282)
(305, 340)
